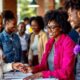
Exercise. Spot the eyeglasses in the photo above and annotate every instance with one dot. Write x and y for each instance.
(52, 27)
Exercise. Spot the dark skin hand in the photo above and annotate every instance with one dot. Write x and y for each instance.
(26, 69)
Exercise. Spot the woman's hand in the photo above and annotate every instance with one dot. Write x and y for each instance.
(27, 69)
(22, 67)
(34, 76)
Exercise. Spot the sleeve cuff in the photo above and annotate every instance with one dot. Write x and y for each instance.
(46, 74)
(7, 67)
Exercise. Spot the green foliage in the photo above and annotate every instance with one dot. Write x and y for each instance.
(24, 10)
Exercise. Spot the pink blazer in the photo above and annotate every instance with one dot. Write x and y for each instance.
(64, 59)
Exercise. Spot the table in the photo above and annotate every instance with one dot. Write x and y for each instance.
(15, 76)
(21, 76)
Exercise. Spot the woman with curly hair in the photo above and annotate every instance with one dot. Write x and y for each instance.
(58, 59)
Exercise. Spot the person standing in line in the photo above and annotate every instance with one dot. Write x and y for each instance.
(38, 40)
(9, 40)
(73, 9)
(24, 39)
(6, 67)
(28, 26)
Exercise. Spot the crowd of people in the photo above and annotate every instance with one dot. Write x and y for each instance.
(54, 53)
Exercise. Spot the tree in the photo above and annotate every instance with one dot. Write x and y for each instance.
(24, 10)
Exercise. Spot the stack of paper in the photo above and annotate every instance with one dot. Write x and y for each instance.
(21, 76)
(16, 76)
(47, 79)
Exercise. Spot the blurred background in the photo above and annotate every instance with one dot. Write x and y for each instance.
(29, 8)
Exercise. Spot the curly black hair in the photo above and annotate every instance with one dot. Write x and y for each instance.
(39, 20)
(73, 4)
(60, 17)
(47, 16)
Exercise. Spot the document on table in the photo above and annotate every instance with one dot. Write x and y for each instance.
(36, 79)
(16, 76)
(47, 79)
(21, 76)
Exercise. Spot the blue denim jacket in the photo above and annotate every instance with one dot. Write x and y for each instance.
(11, 47)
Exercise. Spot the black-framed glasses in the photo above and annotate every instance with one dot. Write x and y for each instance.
(52, 27)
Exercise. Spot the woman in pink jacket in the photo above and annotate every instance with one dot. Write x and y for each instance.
(58, 58)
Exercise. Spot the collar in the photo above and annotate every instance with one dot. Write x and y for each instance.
(40, 33)
(59, 41)
(6, 34)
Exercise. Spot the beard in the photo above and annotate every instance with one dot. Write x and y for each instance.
(77, 26)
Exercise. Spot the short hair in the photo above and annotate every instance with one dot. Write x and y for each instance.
(22, 23)
(8, 15)
(60, 17)
(39, 20)
(73, 4)
(26, 18)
